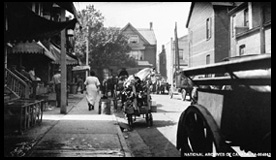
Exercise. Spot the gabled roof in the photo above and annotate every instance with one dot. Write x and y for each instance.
(146, 34)
(229, 4)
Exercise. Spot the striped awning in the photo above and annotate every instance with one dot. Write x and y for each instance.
(57, 54)
(32, 48)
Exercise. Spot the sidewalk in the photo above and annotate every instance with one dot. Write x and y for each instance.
(16, 145)
(82, 133)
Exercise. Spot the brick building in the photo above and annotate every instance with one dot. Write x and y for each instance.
(250, 31)
(208, 26)
(168, 59)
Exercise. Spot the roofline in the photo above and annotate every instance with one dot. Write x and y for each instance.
(190, 13)
(238, 8)
(135, 30)
(192, 7)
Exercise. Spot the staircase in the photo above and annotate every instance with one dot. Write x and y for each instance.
(16, 86)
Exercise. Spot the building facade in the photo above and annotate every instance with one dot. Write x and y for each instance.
(168, 59)
(208, 27)
(143, 44)
(250, 28)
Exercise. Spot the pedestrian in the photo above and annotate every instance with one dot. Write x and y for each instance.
(92, 84)
(35, 81)
(123, 74)
(25, 73)
(57, 85)
(79, 84)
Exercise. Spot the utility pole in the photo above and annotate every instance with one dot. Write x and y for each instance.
(87, 49)
(262, 34)
(63, 101)
(176, 48)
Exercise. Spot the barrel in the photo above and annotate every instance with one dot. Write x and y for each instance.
(105, 107)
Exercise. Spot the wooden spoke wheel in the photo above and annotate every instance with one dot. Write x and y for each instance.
(201, 133)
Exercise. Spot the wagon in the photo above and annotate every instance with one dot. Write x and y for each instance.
(236, 113)
(182, 85)
(136, 99)
(139, 104)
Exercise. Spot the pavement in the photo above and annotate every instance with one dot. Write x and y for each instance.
(79, 133)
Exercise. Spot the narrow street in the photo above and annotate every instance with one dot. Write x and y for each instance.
(160, 139)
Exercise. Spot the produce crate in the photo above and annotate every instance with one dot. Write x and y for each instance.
(23, 114)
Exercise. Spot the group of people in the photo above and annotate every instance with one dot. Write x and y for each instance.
(92, 85)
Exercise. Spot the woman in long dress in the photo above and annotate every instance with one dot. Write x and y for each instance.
(92, 89)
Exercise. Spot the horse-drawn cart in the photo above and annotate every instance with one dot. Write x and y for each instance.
(236, 113)
(135, 97)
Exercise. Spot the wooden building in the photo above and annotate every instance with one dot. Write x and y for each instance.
(143, 44)
(27, 25)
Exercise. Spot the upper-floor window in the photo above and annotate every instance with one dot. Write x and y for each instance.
(208, 59)
(208, 28)
(242, 49)
(208, 62)
(181, 52)
(133, 39)
(246, 18)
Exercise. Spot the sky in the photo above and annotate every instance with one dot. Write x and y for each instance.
(163, 15)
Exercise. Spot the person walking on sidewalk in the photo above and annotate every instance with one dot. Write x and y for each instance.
(57, 83)
(92, 84)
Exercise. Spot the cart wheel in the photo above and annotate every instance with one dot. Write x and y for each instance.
(201, 133)
(183, 94)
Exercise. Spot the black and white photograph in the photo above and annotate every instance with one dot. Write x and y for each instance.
(137, 79)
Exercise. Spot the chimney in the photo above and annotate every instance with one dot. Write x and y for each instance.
(150, 25)
(163, 47)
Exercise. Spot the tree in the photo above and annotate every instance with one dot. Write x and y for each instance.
(107, 46)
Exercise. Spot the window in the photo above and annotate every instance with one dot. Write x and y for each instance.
(242, 49)
(208, 59)
(208, 28)
(233, 25)
(208, 62)
(181, 52)
(246, 21)
(133, 39)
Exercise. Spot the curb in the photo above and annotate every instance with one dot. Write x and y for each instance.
(124, 145)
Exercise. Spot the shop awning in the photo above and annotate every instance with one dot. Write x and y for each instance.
(25, 25)
(81, 68)
(32, 48)
(57, 54)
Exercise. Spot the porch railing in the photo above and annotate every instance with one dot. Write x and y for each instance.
(16, 84)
